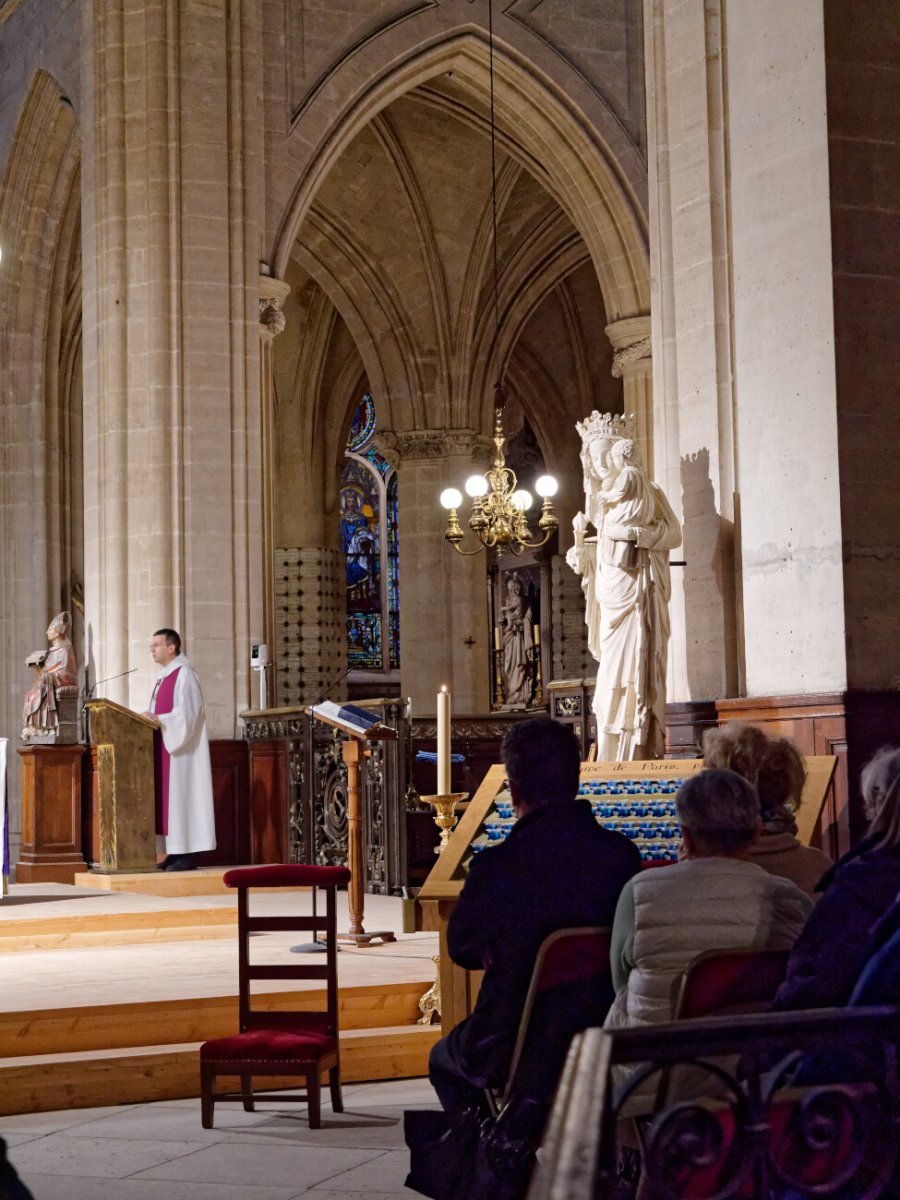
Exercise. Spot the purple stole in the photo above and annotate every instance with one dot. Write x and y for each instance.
(164, 698)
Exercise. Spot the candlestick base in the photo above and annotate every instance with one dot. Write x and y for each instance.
(445, 815)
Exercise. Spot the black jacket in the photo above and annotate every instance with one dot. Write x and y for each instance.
(558, 868)
(839, 937)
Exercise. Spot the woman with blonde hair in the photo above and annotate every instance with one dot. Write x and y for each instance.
(776, 769)
(856, 893)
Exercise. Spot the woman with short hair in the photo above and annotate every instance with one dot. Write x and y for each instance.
(776, 769)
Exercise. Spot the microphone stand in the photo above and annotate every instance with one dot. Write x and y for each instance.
(315, 946)
(84, 708)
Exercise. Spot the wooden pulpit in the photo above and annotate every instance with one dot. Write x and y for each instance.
(126, 806)
(353, 749)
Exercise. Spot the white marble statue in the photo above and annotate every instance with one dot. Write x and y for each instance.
(624, 571)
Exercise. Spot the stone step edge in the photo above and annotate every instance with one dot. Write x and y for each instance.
(47, 1083)
(359, 1007)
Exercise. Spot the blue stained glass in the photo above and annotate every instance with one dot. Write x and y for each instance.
(393, 549)
(363, 425)
(370, 538)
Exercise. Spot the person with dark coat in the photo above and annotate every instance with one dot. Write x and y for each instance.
(557, 869)
(857, 892)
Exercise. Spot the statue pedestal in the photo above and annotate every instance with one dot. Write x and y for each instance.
(51, 814)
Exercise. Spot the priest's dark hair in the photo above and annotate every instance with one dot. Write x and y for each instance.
(542, 761)
(172, 638)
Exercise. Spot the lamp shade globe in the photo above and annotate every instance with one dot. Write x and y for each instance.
(476, 485)
(451, 498)
(546, 486)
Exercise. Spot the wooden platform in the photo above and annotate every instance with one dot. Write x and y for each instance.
(106, 995)
(205, 881)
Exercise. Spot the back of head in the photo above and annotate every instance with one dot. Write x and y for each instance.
(782, 774)
(880, 785)
(720, 809)
(542, 761)
(735, 746)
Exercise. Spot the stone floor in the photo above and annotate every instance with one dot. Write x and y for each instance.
(160, 1152)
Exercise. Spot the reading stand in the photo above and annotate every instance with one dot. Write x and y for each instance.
(359, 727)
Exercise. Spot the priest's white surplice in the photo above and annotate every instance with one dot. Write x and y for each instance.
(191, 827)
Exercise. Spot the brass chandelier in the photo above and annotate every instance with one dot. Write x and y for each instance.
(498, 505)
(498, 517)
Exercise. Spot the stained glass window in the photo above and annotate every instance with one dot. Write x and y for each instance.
(370, 543)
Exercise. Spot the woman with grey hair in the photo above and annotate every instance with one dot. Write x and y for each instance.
(856, 893)
(713, 900)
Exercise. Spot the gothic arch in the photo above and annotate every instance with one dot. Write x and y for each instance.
(539, 128)
(40, 375)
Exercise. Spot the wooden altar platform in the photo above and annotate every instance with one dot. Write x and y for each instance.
(105, 995)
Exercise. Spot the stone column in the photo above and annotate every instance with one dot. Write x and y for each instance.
(173, 514)
(272, 295)
(633, 364)
(444, 635)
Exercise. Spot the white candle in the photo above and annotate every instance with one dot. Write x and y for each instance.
(443, 742)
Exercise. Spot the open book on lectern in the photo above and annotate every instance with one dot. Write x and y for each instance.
(349, 717)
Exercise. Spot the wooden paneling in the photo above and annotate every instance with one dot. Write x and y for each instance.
(231, 800)
(51, 814)
(269, 801)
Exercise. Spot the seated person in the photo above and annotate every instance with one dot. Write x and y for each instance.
(558, 868)
(857, 892)
(776, 769)
(712, 900)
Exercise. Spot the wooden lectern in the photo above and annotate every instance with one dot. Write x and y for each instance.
(353, 750)
(126, 808)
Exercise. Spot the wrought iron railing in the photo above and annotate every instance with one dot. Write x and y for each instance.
(795, 1105)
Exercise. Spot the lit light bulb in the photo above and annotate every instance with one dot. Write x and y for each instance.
(451, 498)
(546, 486)
(521, 500)
(476, 485)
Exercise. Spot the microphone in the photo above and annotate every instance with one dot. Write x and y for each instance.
(109, 679)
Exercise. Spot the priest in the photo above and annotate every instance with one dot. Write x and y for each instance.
(185, 823)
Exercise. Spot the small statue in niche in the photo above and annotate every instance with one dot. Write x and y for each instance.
(624, 573)
(517, 622)
(50, 712)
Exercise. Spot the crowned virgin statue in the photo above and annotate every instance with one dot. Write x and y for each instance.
(624, 569)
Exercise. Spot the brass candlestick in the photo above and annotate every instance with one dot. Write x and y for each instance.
(444, 814)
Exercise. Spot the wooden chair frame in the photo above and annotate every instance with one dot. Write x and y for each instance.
(498, 1101)
(323, 1021)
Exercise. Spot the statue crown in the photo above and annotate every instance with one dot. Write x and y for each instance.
(605, 425)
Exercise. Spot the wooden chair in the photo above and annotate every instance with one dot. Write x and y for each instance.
(565, 958)
(722, 983)
(284, 1042)
(719, 982)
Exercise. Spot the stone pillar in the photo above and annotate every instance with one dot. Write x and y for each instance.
(272, 295)
(444, 635)
(633, 364)
(173, 513)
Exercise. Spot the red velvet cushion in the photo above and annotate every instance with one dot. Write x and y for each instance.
(269, 1045)
(286, 875)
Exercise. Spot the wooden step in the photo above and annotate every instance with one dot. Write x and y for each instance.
(46, 1082)
(205, 881)
(118, 929)
(117, 1026)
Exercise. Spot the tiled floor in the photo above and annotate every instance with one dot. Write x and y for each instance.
(161, 1152)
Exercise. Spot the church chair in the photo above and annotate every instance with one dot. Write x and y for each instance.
(571, 988)
(737, 981)
(279, 1043)
(722, 983)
